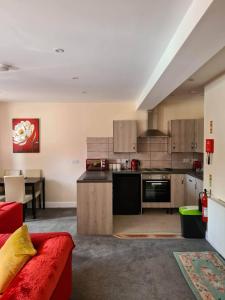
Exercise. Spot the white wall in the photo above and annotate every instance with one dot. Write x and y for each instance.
(63, 131)
(180, 107)
(214, 106)
(215, 111)
(216, 226)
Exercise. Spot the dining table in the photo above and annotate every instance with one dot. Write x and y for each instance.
(32, 182)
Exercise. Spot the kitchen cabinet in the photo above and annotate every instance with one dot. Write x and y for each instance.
(193, 187)
(125, 136)
(182, 134)
(187, 135)
(94, 208)
(177, 190)
(199, 135)
(199, 188)
(126, 194)
(190, 185)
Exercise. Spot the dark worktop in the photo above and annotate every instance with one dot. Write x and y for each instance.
(198, 175)
(106, 176)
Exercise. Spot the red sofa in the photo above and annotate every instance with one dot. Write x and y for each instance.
(11, 216)
(48, 275)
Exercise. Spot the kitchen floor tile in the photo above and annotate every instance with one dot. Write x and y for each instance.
(151, 221)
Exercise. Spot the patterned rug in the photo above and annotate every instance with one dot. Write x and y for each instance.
(127, 236)
(204, 273)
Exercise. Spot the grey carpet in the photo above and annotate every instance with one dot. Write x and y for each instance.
(107, 268)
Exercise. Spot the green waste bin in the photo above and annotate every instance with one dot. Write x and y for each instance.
(191, 222)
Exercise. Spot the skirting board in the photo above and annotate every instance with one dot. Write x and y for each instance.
(60, 204)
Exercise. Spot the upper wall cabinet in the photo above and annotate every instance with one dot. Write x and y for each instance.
(182, 135)
(125, 136)
(199, 135)
(186, 135)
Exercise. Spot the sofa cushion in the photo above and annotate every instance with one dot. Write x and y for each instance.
(16, 251)
(39, 277)
(11, 216)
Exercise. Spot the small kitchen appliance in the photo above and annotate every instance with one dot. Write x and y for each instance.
(197, 165)
(97, 164)
(135, 163)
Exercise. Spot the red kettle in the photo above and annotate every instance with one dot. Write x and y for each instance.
(134, 164)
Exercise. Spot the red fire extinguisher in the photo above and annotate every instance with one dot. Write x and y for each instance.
(204, 207)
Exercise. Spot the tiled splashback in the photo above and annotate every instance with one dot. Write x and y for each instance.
(152, 153)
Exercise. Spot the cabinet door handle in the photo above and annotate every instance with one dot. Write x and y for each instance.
(192, 145)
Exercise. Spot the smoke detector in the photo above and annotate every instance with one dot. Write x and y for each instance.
(7, 67)
(59, 50)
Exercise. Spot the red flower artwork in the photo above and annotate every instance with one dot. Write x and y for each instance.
(25, 135)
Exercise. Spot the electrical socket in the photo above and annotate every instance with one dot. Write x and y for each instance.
(75, 161)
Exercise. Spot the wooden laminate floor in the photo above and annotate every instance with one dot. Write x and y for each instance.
(151, 221)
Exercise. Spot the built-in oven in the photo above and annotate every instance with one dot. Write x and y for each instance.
(155, 188)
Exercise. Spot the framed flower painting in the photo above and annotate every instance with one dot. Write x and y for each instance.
(26, 135)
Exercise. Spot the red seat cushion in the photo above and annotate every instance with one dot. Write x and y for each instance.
(11, 216)
(39, 277)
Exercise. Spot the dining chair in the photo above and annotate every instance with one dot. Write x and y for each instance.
(34, 173)
(1, 187)
(2, 198)
(11, 172)
(15, 190)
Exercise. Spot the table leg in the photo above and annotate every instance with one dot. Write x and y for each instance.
(43, 192)
(33, 202)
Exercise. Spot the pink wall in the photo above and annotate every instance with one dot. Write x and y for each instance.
(64, 128)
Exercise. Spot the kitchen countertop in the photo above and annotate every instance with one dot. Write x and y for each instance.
(106, 176)
(198, 175)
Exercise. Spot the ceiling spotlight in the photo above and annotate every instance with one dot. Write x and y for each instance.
(4, 67)
(84, 92)
(59, 50)
(75, 77)
(7, 67)
(194, 92)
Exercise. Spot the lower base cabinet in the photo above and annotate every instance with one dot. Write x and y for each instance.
(199, 188)
(177, 190)
(193, 187)
(185, 190)
(94, 208)
(190, 186)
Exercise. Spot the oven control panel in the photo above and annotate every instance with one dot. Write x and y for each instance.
(155, 176)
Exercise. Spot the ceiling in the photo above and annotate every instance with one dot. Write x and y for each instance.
(209, 71)
(111, 46)
(199, 37)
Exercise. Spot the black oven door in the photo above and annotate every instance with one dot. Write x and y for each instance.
(155, 190)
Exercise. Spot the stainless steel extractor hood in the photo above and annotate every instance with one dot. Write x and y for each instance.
(152, 129)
